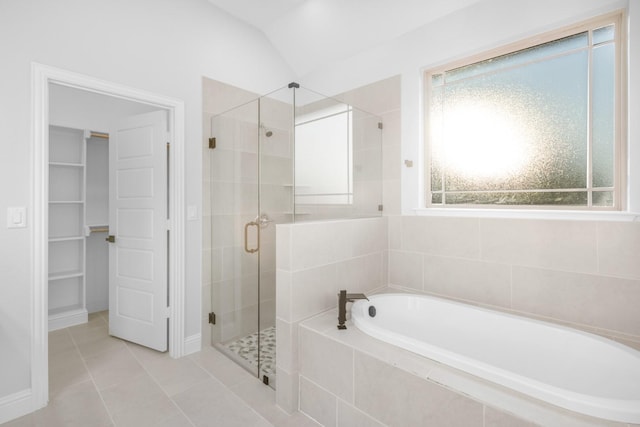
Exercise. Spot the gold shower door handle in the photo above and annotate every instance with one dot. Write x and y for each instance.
(246, 237)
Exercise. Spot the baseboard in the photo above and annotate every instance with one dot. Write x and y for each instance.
(66, 319)
(192, 344)
(16, 405)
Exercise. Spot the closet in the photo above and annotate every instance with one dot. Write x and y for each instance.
(78, 225)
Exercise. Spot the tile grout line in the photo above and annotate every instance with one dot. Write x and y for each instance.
(144, 368)
(84, 362)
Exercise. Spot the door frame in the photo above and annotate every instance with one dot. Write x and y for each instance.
(41, 77)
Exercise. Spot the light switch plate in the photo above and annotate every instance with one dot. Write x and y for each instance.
(16, 217)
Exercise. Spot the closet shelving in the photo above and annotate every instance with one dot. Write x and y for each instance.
(67, 177)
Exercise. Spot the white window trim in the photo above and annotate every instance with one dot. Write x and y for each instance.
(630, 192)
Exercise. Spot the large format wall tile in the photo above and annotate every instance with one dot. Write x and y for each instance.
(619, 249)
(326, 362)
(598, 301)
(561, 245)
(318, 403)
(313, 291)
(483, 282)
(405, 269)
(398, 398)
(444, 236)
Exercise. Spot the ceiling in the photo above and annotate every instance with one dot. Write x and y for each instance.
(310, 33)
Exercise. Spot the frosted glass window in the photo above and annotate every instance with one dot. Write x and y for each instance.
(533, 127)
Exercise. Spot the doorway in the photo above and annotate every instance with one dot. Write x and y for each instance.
(43, 79)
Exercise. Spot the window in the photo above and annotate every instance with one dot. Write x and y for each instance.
(324, 156)
(535, 127)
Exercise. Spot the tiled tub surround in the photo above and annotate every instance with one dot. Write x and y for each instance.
(582, 273)
(350, 379)
(314, 261)
(561, 366)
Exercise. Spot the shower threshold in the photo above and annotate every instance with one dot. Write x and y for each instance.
(244, 351)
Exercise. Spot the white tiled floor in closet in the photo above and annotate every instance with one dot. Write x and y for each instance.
(98, 380)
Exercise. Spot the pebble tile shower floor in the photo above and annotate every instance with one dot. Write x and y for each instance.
(97, 380)
(247, 349)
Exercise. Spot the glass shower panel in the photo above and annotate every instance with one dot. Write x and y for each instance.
(338, 159)
(234, 241)
(275, 177)
(264, 172)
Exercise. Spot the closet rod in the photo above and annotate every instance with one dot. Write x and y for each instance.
(99, 135)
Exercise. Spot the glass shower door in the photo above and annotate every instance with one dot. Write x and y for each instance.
(235, 234)
(251, 191)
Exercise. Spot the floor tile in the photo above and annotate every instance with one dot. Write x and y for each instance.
(135, 391)
(221, 367)
(210, 404)
(114, 367)
(152, 413)
(79, 405)
(176, 375)
(99, 381)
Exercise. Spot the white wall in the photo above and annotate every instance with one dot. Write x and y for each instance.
(485, 25)
(160, 46)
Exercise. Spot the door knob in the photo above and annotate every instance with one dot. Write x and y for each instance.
(111, 239)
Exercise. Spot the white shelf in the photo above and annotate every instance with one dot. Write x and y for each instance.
(66, 165)
(65, 239)
(65, 275)
(67, 191)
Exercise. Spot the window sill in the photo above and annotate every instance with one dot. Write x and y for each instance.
(531, 214)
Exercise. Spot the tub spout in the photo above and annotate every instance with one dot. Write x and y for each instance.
(343, 298)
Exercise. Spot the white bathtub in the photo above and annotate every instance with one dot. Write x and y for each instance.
(561, 366)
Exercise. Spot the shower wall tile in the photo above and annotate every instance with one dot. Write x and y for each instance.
(313, 291)
(599, 301)
(283, 247)
(287, 345)
(206, 272)
(320, 243)
(318, 403)
(487, 283)
(222, 164)
(391, 163)
(287, 391)
(405, 269)
(283, 294)
(391, 197)
(619, 249)
(561, 245)
(369, 236)
(215, 265)
(314, 261)
(394, 224)
(445, 236)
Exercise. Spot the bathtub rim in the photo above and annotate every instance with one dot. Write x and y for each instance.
(619, 410)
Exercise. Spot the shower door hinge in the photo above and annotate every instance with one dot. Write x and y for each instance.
(379, 125)
(212, 318)
(212, 143)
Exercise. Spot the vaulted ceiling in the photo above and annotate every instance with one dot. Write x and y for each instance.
(310, 33)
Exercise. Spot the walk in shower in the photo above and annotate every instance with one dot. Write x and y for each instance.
(292, 155)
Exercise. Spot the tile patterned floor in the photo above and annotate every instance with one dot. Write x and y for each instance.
(97, 380)
(247, 349)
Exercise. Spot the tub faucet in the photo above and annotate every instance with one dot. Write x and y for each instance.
(343, 298)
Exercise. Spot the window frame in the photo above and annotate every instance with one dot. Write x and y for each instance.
(620, 187)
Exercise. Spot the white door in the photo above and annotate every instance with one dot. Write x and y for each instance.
(138, 306)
